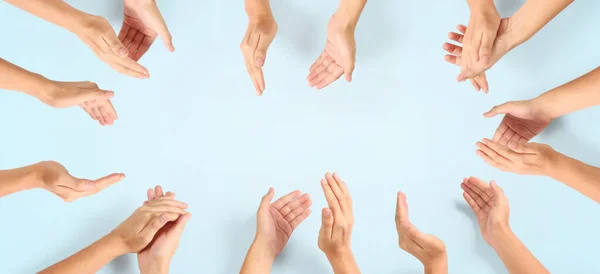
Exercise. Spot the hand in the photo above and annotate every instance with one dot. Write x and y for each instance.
(99, 35)
(56, 179)
(338, 57)
(479, 38)
(275, 222)
(520, 158)
(142, 23)
(523, 121)
(479, 82)
(259, 36)
(157, 255)
(138, 231)
(429, 249)
(338, 219)
(489, 205)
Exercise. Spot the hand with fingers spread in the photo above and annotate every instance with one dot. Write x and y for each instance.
(131, 236)
(428, 249)
(454, 56)
(338, 57)
(156, 257)
(142, 24)
(261, 32)
(522, 121)
(490, 206)
(337, 224)
(275, 223)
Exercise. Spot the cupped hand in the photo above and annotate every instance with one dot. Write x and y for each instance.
(259, 36)
(56, 179)
(162, 248)
(520, 158)
(138, 231)
(142, 23)
(338, 57)
(522, 121)
(275, 222)
(428, 249)
(454, 56)
(479, 39)
(338, 217)
(489, 205)
(99, 35)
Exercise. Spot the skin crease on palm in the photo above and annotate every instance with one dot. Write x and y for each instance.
(522, 121)
(88, 96)
(479, 38)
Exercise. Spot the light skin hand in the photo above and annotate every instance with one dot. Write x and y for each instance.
(156, 257)
(427, 248)
(56, 179)
(142, 24)
(87, 95)
(454, 56)
(336, 225)
(522, 121)
(520, 158)
(479, 37)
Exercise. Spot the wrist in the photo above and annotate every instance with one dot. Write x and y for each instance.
(261, 246)
(157, 266)
(340, 257)
(437, 266)
(481, 6)
(258, 10)
(116, 243)
(557, 163)
(499, 234)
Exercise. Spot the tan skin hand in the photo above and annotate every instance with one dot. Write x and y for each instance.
(489, 205)
(337, 58)
(259, 36)
(454, 56)
(275, 222)
(426, 248)
(56, 179)
(165, 242)
(520, 158)
(142, 24)
(522, 121)
(338, 217)
(99, 35)
(479, 39)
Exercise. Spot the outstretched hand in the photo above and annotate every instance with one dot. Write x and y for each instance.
(520, 158)
(454, 56)
(522, 121)
(338, 57)
(259, 36)
(142, 24)
(479, 39)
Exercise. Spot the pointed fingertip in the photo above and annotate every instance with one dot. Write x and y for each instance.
(326, 212)
(260, 62)
(110, 94)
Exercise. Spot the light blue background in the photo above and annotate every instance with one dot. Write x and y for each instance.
(197, 128)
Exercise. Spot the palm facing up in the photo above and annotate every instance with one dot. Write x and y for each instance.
(277, 221)
(338, 57)
(142, 23)
(522, 122)
(489, 205)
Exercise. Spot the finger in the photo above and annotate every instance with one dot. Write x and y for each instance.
(250, 71)
(342, 185)
(475, 84)
(508, 134)
(319, 60)
(490, 161)
(498, 193)
(133, 66)
(473, 205)
(115, 44)
(500, 109)
(332, 201)
(135, 44)
(129, 37)
(123, 33)
(476, 197)
(452, 49)
(143, 48)
(97, 114)
(286, 199)
(349, 63)
(104, 112)
(112, 112)
(502, 150)
(452, 59)
(265, 202)
(457, 37)
(260, 78)
(107, 181)
(335, 74)
(298, 210)
(326, 224)
(480, 187)
(502, 128)
(167, 201)
(485, 51)
(293, 205)
(461, 28)
(402, 219)
(523, 147)
(337, 191)
(158, 192)
(299, 219)
(156, 224)
(163, 208)
(482, 81)
(179, 225)
(161, 28)
(314, 73)
(260, 54)
(151, 194)
(493, 154)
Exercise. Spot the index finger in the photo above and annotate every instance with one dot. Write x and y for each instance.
(332, 201)
(132, 65)
(339, 195)
(402, 219)
(107, 181)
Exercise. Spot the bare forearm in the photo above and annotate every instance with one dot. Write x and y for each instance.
(18, 179)
(515, 255)
(578, 94)
(533, 16)
(577, 175)
(350, 11)
(15, 78)
(258, 8)
(57, 12)
(440, 266)
(258, 260)
(90, 259)
(156, 267)
(343, 263)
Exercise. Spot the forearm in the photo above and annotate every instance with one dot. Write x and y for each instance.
(258, 260)
(476, 4)
(156, 267)
(343, 263)
(57, 12)
(440, 266)
(349, 11)
(258, 8)
(15, 78)
(577, 175)
(578, 94)
(532, 17)
(515, 255)
(90, 259)
(18, 179)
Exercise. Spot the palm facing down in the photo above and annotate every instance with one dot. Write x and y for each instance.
(277, 221)
(522, 122)
(489, 205)
(338, 57)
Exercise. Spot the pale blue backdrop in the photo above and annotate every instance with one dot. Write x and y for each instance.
(197, 128)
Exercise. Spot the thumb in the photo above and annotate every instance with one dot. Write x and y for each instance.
(156, 224)
(180, 224)
(85, 95)
(161, 28)
(82, 185)
(326, 223)
(485, 51)
(521, 147)
(260, 54)
(265, 203)
(500, 109)
(349, 61)
(498, 193)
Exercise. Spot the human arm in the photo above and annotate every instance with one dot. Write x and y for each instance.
(275, 224)
(336, 225)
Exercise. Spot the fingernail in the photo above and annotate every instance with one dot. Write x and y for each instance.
(110, 94)
(123, 52)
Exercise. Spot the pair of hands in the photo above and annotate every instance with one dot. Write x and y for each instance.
(337, 58)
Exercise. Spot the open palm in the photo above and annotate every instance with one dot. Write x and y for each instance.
(522, 121)
(142, 23)
(489, 205)
(337, 58)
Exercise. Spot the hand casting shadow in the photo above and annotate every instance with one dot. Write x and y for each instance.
(575, 148)
(482, 248)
